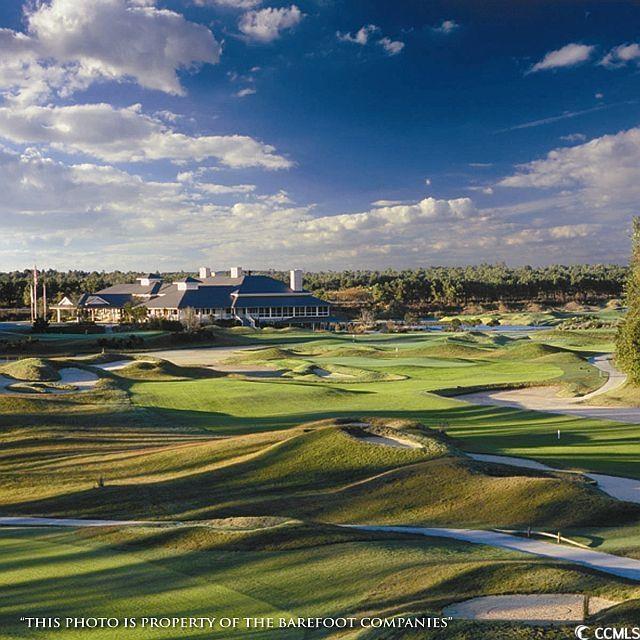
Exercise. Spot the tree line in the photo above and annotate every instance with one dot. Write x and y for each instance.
(424, 288)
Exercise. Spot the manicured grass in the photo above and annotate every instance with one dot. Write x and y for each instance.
(231, 405)
(307, 572)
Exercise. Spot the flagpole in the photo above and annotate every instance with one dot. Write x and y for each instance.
(35, 292)
(44, 297)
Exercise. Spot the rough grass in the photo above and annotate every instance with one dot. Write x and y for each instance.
(626, 396)
(30, 369)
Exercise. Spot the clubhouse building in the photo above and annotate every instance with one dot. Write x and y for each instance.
(236, 295)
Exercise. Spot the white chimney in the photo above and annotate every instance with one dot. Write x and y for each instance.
(236, 272)
(204, 272)
(295, 279)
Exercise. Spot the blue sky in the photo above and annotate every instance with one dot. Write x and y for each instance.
(168, 134)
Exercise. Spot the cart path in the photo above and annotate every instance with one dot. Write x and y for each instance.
(626, 489)
(607, 563)
(545, 398)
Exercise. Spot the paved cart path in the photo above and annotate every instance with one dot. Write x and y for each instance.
(604, 562)
(607, 563)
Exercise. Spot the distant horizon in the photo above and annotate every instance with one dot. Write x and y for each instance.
(246, 270)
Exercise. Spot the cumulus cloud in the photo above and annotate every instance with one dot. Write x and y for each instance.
(68, 45)
(588, 187)
(52, 209)
(364, 35)
(361, 36)
(128, 135)
(392, 47)
(447, 26)
(608, 165)
(234, 4)
(567, 56)
(267, 24)
(622, 55)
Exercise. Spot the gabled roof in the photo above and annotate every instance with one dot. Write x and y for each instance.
(88, 300)
(150, 276)
(263, 284)
(201, 298)
(136, 289)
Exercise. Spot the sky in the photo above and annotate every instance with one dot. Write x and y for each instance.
(317, 134)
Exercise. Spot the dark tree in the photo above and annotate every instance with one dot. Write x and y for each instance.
(628, 339)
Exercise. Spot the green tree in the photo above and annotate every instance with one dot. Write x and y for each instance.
(628, 338)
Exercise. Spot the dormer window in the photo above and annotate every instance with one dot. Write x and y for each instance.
(149, 279)
(187, 284)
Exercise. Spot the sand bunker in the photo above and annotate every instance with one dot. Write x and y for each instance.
(78, 379)
(533, 609)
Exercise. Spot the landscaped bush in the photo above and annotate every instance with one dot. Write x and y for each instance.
(130, 342)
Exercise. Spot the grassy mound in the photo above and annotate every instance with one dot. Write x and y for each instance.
(320, 472)
(353, 352)
(333, 373)
(626, 396)
(527, 350)
(30, 369)
(158, 369)
(449, 349)
(256, 356)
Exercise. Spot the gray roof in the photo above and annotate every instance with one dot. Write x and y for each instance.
(203, 297)
(136, 289)
(218, 292)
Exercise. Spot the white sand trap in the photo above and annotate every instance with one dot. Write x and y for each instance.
(532, 609)
(117, 364)
(389, 441)
(79, 378)
(398, 443)
(325, 373)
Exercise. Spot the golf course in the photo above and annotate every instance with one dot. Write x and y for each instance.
(237, 469)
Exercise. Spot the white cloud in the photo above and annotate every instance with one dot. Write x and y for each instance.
(191, 178)
(609, 167)
(234, 4)
(128, 135)
(392, 47)
(243, 93)
(573, 137)
(361, 36)
(447, 26)
(52, 210)
(621, 55)
(69, 45)
(267, 24)
(568, 56)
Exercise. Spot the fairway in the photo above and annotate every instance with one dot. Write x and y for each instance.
(212, 572)
(234, 405)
